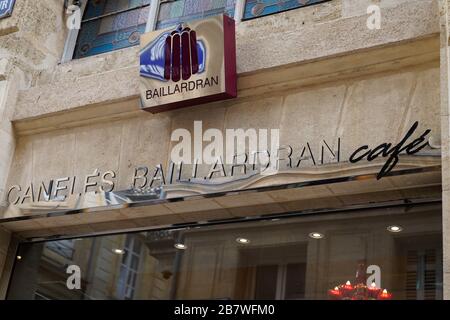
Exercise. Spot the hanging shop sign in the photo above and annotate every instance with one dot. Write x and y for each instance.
(6, 8)
(190, 64)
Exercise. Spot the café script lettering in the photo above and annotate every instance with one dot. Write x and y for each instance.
(143, 177)
(387, 150)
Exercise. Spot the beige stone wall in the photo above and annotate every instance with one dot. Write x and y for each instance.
(31, 40)
(34, 35)
(340, 109)
(293, 37)
(81, 94)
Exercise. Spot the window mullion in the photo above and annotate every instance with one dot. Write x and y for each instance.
(71, 41)
(152, 15)
(239, 10)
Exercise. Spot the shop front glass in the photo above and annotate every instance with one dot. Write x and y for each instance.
(384, 253)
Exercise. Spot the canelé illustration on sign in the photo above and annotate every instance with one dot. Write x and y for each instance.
(174, 56)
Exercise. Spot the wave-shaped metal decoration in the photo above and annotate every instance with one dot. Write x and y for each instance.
(196, 189)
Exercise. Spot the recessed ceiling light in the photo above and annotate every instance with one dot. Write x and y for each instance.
(395, 229)
(242, 240)
(19, 257)
(316, 235)
(119, 251)
(180, 246)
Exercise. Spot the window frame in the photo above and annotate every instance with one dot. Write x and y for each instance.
(127, 289)
(72, 36)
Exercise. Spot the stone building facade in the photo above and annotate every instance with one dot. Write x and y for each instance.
(315, 73)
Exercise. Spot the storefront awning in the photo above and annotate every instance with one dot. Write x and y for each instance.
(330, 187)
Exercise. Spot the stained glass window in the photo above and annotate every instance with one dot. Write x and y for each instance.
(109, 25)
(258, 8)
(172, 12)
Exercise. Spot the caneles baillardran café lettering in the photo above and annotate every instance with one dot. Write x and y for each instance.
(58, 189)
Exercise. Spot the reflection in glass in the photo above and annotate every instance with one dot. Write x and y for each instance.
(173, 12)
(280, 261)
(109, 25)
